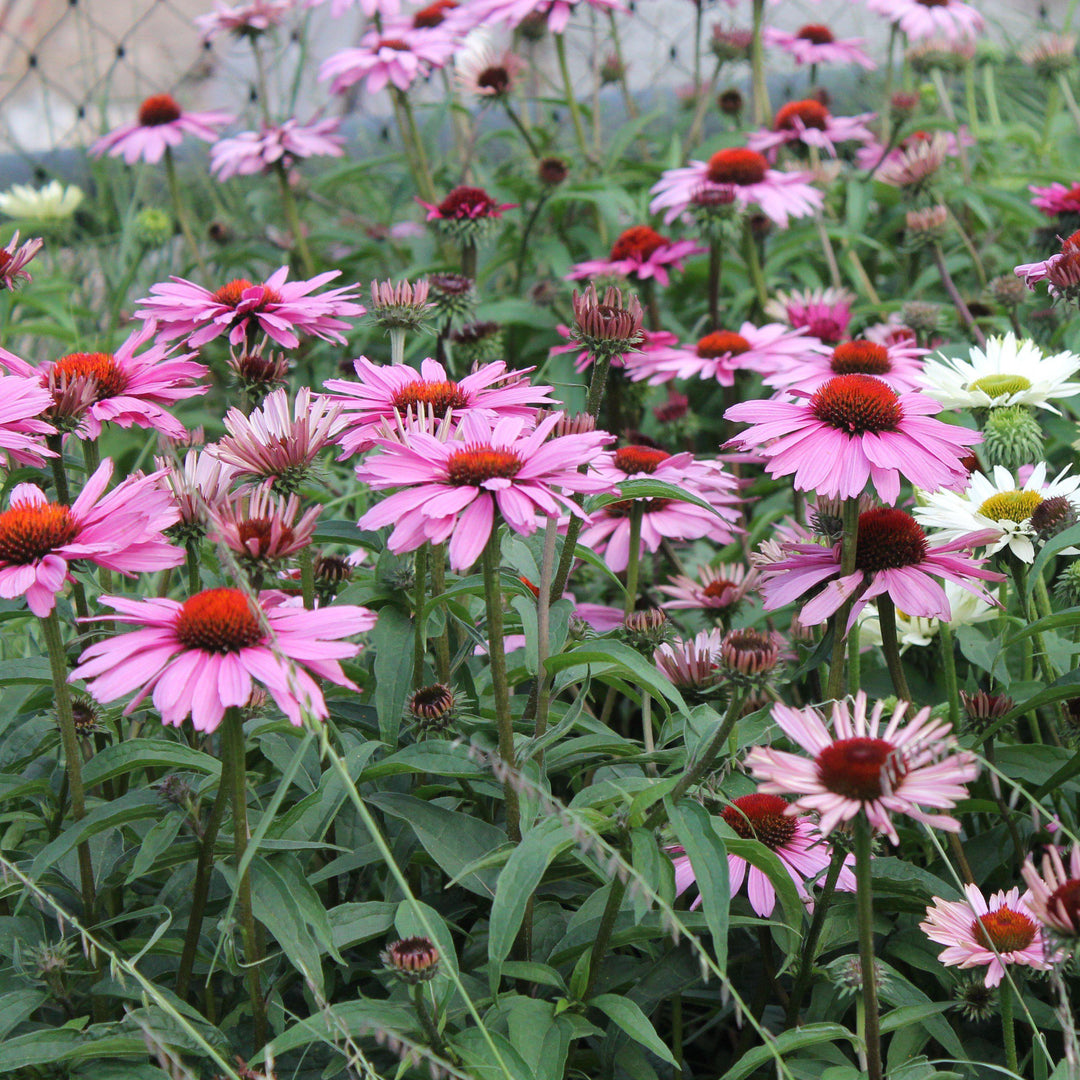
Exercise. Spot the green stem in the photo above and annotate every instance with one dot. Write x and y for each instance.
(990, 91)
(427, 1021)
(854, 657)
(616, 45)
(60, 481)
(191, 560)
(886, 105)
(945, 100)
(181, 211)
(604, 932)
(757, 67)
(204, 869)
(716, 269)
(232, 751)
(948, 663)
(543, 632)
(437, 566)
(397, 345)
(571, 100)
(54, 643)
(530, 142)
(1008, 1025)
(1070, 99)
(633, 565)
(972, 101)
(292, 219)
(891, 647)
(753, 266)
(468, 259)
(499, 685)
(850, 515)
(864, 901)
(307, 576)
(420, 629)
(414, 146)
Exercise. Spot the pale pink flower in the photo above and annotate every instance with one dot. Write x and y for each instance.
(380, 60)
(277, 443)
(23, 401)
(692, 665)
(278, 308)
(120, 531)
(253, 152)
(862, 767)
(992, 935)
(451, 489)
(898, 364)
(720, 354)
(853, 429)
(1056, 199)
(161, 125)
(260, 526)
(810, 123)
(1054, 896)
(793, 838)
(608, 532)
(557, 12)
(822, 313)
(127, 388)
(484, 73)
(950, 19)
(13, 258)
(816, 44)
(651, 341)
(205, 655)
(892, 557)
(197, 484)
(640, 252)
(253, 16)
(914, 158)
(714, 588)
(492, 390)
(743, 174)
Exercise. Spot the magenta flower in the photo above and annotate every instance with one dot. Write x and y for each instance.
(720, 354)
(278, 308)
(640, 252)
(804, 852)
(492, 391)
(892, 557)
(253, 152)
(853, 429)
(651, 341)
(862, 768)
(127, 388)
(465, 204)
(451, 489)
(1061, 272)
(950, 19)
(816, 44)
(380, 60)
(1056, 199)
(608, 532)
(200, 657)
(557, 12)
(13, 258)
(254, 16)
(262, 527)
(22, 403)
(992, 935)
(120, 531)
(745, 176)
(822, 313)
(810, 123)
(162, 124)
(1054, 895)
(898, 364)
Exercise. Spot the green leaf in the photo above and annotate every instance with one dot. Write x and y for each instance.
(1069, 538)
(628, 1016)
(158, 839)
(353, 924)
(649, 489)
(17, 1006)
(392, 640)
(34, 669)
(127, 756)
(1067, 618)
(796, 1039)
(603, 656)
(352, 1019)
(480, 1062)
(708, 857)
(437, 758)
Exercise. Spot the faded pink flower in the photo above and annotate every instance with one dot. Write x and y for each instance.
(949, 19)
(398, 58)
(816, 44)
(253, 152)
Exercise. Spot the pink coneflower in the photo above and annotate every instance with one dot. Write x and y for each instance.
(398, 59)
(1061, 272)
(640, 252)
(862, 768)
(651, 342)
(810, 123)
(853, 429)
(204, 655)
(816, 44)
(197, 484)
(253, 17)
(253, 152)
(714, 588)
(1054, 896)
(13, 258)
(745, 176)
(798, 844)
(262, 527)
(1056, 199)
(452, 488)
(127, 388)
(556, 12)
(23, 401)
(491, 391)
(692, 665)
(914, 160)
(120, 531)
(721, 353)
(822, 313)
(919, 19)
(161, 124)
(278, 443)
(899, 364)
(892, 557)
(278, 308)
(466, 208)
(992, 935)
(609, 530)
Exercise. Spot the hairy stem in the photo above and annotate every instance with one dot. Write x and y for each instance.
(864, 900)
(850, 514)
(891, 647)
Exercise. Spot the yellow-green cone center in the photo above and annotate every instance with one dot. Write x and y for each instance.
(1015, 506)
(996, 386)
